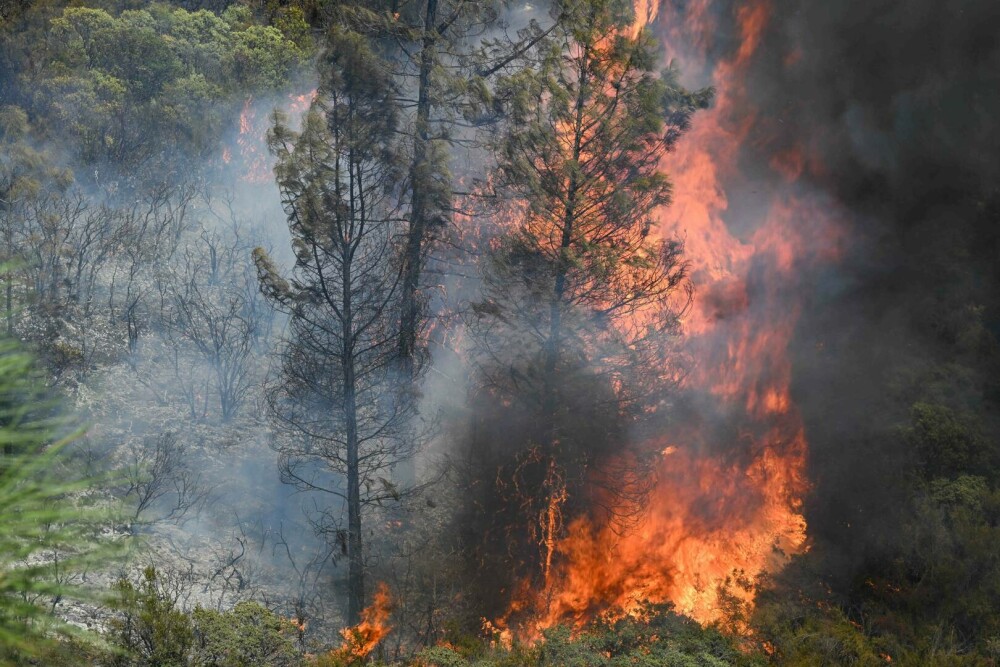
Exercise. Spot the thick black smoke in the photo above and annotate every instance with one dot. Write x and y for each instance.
(895, 105)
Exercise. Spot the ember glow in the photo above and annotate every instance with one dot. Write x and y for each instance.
(727, 503)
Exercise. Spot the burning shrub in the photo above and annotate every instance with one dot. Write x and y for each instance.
(361, 640)
(654, 636)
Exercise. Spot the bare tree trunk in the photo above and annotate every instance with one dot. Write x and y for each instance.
(10, 303)
(416, 236)
(356, 565)
(559, 289)
(416, 239)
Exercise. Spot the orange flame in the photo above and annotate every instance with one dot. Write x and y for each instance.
(720, 516)
(362, 639)
(255, 162)
(645, 14)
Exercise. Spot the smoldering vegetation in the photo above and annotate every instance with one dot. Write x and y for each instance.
(129, 216)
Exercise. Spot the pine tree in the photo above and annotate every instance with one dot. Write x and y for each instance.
(581, 297)
(337, 395)
(435, 50)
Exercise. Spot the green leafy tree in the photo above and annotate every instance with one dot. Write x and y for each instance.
(435, 30)
(433, 45)
(124, 89)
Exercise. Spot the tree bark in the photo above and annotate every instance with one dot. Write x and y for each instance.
(559, 287)
(417, 233)
(356, 565)
(416, 238)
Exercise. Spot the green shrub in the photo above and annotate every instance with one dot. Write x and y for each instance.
(151, 631)
(656, 637)
(249, 635)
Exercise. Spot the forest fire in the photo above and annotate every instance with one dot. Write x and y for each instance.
(603, 332)
(360, 640)
(254, 161)
(727, 501)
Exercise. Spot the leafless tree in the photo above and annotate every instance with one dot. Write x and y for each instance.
(152, 231)
(234, 569)
(213, 315)
(159, 478)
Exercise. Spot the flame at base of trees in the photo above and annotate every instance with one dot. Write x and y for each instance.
(710, 530)
(360, 640)
(252, 161)
(726, 505)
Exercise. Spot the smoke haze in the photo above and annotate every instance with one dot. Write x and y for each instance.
(888, 111)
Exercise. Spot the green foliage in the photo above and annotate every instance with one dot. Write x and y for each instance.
(46, 536)
(929, 597)
(441, 656)
(582, 153)
(151, 631)
(657, 637)
(945, 442)
(123, 87)
(817, 636)
(24, 171)
(248, 635)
